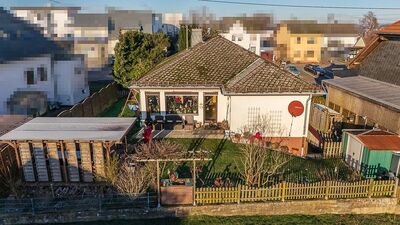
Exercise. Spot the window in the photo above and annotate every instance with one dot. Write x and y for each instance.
(240, 38)
(30, 76)
(91, 48)
(78, 70)
(39, 16)
(309, 53)
(311, 40)
(233, 38)
(298, 40)
(297, 54)
(153, 102)
(182, 103)
(42, 73)
(253, 49)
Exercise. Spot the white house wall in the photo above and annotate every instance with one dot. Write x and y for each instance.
(275, 109)
(12, 79)
(354, 153)
(72, 82)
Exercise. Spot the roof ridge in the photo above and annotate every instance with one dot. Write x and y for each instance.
(252, 66)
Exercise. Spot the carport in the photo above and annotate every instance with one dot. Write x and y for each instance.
(69, 149)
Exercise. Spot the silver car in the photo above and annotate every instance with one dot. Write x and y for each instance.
(293, 69)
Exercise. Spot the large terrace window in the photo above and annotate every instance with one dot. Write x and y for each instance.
(182, 103)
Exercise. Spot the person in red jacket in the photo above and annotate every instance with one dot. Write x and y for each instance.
(148, 128)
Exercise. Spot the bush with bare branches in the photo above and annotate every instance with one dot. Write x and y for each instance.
(260, 163)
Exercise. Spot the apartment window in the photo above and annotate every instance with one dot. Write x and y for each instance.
(91, 48)
(42, 73)
(298, 40)
(39, 16)
(30, 76)
(253, 49)
(309, 53)
(182, 103)
(297, 54)
(233, 38)
(311, 40)
(240, 38)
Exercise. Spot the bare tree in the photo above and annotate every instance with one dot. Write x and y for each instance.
(260, 163)
(368, 24)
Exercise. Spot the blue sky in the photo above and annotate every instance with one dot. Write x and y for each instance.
(227, 10)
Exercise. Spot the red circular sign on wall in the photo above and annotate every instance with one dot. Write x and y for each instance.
(296, 108)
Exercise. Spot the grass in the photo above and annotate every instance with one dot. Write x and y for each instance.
(381, 219)
(226, 163)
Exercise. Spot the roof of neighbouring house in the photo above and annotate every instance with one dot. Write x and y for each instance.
(220, 63)
(71, 129)
(19, 39)
(129, 20)
(319, 28)
(380, 140)
(379, 92)
(258, 23)
(45, 8)
(9, 122)
(393, 28)
(90, 20)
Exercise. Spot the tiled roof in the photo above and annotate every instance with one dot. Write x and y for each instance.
(393, 28)
(327, 29)
(221, 63)
(19, 39)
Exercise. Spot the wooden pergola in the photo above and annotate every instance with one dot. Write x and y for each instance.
(193, 160)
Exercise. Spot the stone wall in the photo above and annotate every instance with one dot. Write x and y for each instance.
(345, 206)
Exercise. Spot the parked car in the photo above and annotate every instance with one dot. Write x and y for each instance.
(317, 70)
(293, 70)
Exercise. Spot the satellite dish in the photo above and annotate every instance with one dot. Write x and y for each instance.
(296, 108)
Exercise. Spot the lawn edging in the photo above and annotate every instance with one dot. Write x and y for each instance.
(311, 207)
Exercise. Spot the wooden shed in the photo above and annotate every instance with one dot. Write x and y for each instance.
(372, 152)
(323, 118)
(69, 149)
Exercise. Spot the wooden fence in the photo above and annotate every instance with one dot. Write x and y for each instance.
(295, 191)
(96, 103)
(331, 149)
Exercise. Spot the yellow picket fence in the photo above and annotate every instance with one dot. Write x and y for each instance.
(331, 149)
(295, 191)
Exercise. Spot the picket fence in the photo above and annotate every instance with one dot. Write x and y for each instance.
(331, 149)
(295, 191)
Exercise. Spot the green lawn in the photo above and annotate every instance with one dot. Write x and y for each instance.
(382, 219)
(226, 163)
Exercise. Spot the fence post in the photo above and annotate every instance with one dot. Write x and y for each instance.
(148, 200)
(327, 183)
(239, 192)
(396, 184)
(371, 188)
(99, 200)
(33, 206)
(283, 191)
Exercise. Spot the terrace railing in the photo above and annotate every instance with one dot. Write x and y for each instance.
(296, 191)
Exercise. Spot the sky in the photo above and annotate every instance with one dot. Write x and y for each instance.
(219, 9)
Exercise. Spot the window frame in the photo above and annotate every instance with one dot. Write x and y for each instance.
(298, 40)
(42, 76)
(309, 42)
(181, 94)
(32, 77)
(308, 55)
(152, 94)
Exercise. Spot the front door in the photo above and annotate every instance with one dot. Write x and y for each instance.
(210, 108)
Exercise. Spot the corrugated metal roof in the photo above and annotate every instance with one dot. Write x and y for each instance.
(71, 129)
(380, 142)
(380, 92)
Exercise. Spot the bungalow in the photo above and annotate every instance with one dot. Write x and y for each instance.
(219, 81)
(372, 152)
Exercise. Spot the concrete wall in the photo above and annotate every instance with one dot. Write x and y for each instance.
(314, 207)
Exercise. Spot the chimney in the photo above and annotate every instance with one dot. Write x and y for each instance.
(197, 36)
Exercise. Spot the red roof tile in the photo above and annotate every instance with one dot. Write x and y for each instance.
(393, 28)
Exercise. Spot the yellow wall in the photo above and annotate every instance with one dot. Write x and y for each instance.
(287, 46)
